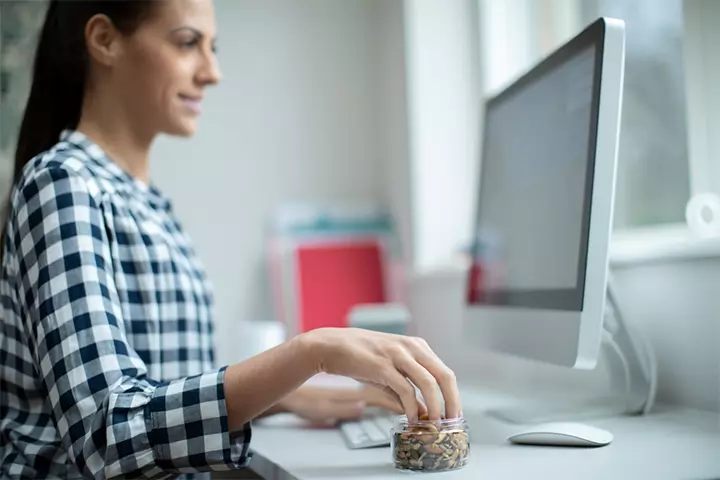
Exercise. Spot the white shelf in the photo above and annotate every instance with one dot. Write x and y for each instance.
(660, 244)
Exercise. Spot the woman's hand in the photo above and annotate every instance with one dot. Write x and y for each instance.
(394, 363)
(390, 362)
(327, 406)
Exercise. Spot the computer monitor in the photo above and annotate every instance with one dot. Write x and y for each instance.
(537, 284)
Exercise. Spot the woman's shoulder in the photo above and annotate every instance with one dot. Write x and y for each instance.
(56, 185)
(63, 163)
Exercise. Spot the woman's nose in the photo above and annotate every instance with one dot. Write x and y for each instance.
(210, 73)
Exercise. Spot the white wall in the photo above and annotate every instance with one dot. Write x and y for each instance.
(296, 118)
(677, 305)
(390, 82)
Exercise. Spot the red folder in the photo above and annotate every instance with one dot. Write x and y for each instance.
(334, 277)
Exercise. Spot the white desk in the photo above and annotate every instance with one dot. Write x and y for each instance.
(669, 444)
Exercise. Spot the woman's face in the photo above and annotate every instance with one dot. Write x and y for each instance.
(165, 65)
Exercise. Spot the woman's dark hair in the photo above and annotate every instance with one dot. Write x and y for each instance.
(61, 68)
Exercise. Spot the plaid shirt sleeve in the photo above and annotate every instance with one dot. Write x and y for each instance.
(112, 419)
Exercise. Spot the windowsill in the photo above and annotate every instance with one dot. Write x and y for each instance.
(662, 243)
(628, 247)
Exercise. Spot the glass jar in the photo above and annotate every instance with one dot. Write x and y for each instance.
(430, 446)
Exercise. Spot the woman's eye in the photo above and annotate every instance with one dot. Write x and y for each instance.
(190, 43)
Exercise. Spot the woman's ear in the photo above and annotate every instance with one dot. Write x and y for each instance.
(102, 40)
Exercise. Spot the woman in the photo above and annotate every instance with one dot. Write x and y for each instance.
(106, 360)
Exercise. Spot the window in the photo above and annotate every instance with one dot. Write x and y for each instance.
(653, 184)
(653, 175)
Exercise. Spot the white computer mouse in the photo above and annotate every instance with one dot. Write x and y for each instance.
(563, 435)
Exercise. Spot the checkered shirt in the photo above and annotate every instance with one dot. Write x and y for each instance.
(106, 354)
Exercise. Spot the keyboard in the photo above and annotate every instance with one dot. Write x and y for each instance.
(367, 432)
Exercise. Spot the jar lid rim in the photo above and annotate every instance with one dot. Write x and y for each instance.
(403, 420)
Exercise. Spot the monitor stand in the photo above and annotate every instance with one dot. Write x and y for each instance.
(633, 374)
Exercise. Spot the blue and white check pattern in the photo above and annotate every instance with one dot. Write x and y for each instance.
(106, 348)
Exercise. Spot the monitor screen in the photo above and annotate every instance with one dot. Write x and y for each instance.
(533, 209)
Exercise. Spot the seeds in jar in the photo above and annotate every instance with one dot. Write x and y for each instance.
(431, 448)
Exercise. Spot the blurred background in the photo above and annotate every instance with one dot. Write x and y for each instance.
(376, 104)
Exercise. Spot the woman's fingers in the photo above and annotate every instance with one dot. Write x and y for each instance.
(426, 383)
(422, 408)
(395, 400)
(404, 389)
(448, 386)
(444, 376)
(383, 397)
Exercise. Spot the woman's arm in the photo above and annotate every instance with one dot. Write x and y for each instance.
(264, 380)
(314, 403)
(390, 362)
(322, 405)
